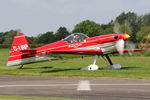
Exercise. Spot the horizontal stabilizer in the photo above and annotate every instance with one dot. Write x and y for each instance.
(30, 60)
(29, 51)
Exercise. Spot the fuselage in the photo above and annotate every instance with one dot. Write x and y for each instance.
(105, 43)
(21, 53)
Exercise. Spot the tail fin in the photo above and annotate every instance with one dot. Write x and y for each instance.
(19, 44)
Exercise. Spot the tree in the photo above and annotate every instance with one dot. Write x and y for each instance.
(61, 33)
(45, 38)
(146, 19)
(125, 29)
(131, 17)
(10, 36)
(88, 27)
(147, 38)
(143, 33)
(30, 39)
(107, 28)
(121, 18)
(2, 37)
(133, 21)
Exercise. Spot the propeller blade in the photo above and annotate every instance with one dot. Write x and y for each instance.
(130, 45)
(116, 27)
(128, 27)
(120, 46)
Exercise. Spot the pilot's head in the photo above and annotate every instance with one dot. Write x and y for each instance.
(76, 36)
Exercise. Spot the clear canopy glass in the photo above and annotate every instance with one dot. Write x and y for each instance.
(75, 37)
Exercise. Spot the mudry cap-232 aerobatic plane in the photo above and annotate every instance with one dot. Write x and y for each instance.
(76, 43)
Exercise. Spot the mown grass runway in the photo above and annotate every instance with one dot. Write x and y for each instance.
(133, 67)
(33, 98)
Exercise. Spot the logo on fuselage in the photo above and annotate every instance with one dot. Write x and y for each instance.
(20, 47)
(75, 45)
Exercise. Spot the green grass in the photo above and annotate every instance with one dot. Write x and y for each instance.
(33, 98)
(133, 67)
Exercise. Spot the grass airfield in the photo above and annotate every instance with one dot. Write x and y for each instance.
(132, 67)
(33, 98)
(137, 67)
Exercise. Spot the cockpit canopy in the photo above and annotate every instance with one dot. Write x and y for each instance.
(75, 37)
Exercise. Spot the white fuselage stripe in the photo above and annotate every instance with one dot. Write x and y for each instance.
(99, 46)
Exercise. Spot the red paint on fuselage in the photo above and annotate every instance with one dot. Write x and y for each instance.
(63, 45)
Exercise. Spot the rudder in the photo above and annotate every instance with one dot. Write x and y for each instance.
(19, 44)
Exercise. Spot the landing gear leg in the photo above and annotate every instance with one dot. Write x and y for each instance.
(93, 66)
(21, 67)
(112, 66)
(109, 60)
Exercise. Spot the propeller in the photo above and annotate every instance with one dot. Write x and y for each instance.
(130, 45)
(121, 44)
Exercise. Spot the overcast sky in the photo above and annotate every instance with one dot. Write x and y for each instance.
(39, 16)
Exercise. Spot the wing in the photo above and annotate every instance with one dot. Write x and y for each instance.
(134, 50)
(129, 50)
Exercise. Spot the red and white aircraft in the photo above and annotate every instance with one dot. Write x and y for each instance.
(76, 43)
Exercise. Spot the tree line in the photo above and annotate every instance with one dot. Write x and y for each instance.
(136, 26)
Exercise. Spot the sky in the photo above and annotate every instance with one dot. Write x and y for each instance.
(33, 17)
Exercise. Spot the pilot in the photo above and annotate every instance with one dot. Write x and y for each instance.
(75, 39)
